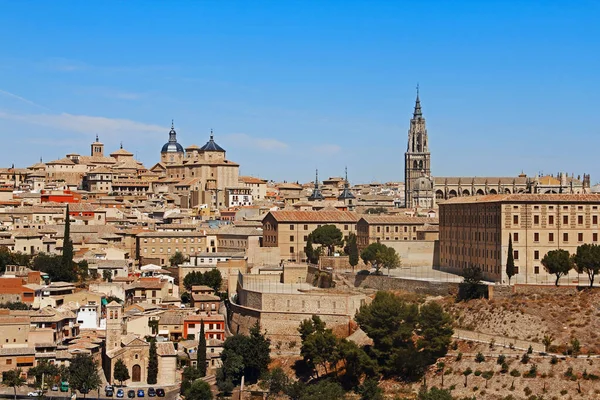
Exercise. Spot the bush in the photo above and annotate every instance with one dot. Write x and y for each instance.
(515, 372)
(501, 359)
(479, 358)
(525, 358)
(532, 373)
(504, 367)
(554, 360)
(459, 357)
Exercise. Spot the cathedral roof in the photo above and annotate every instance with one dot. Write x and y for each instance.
(172, 146)
(211, 145)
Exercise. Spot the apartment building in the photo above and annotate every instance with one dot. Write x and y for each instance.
(289, 230)
(214, 326)
(379, 228)
(475, 231)
(163, 245)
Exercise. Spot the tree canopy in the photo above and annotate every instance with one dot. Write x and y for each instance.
(380, 256)
(201, 353)
(471, 286)
(211, 278)
(14, 379)
(243, 355)
(8, 257)
(177, 259)
(53, 266)
(199, 390)
(351, 250)
(557, 262)
(152, 363)
(328, 236)
(83, 373)
(406, 339)
(587, 260)
(121, 373)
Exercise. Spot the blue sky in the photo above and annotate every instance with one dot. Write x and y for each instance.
(290, 86)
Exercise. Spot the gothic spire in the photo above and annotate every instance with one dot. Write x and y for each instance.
(417, 113)
(316, 194)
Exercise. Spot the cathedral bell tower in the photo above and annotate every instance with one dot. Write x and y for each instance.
(417, 156)
(113, 326)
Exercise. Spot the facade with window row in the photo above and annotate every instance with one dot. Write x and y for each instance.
(475, 231)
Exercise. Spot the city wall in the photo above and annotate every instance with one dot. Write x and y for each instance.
(504, 292)
(431, 288)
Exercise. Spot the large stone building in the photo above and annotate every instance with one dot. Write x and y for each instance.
(422, 190)
(289, 230)
(475, 231)
(380, 228)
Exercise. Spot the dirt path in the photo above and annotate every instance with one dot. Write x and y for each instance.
(498, 340)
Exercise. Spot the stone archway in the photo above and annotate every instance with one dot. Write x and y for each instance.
(452, 194)
(136, 373)
(493, 191)
(465, 192)
(480, 192)
(439, 194)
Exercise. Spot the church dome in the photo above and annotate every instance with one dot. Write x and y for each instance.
(423, 183)
(211, 145)
(172, 146)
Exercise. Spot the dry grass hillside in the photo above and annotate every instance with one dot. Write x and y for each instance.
(530, 317)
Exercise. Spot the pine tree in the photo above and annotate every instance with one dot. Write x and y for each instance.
(152, 363)
(510, 260)
(201, 364)
(67, 250)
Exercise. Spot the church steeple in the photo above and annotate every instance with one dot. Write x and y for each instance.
(316, 194)
(417, 113)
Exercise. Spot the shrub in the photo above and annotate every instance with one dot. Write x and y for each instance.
(554, 360)
(501, 359)
(532, 373)
(479, 358)
(527, 391)
(459, 357)
(504, 367)
(515, 372)
(525, 358)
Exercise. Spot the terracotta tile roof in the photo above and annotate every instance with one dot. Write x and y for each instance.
(397, 219)
(528, 198)
(165, 349)
(314, 216)
(251, 179)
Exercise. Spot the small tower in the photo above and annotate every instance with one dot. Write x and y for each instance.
(172, 152)
(346, 196)
(113, 325)
(97, 148)
(316, 194)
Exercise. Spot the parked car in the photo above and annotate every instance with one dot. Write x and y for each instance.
(64, 386)
(54, 387)
(109, 390)
(35, 393)
(120, 393)
(131, 394)
(160, 392)
(140, 393)
(151, 392)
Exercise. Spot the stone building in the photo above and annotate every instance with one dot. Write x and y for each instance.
(475, 231)
(422, 190)
(378, 228)
(134, 352)
(289, 230)
(163, 245)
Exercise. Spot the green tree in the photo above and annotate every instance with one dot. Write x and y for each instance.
(547, 341)
(471, 286)
(83, 374)
(328, 236)
(199, 390)
(83, 270)
(211, 278)
(434, 394)
(352, 250)
(15, 305)
(52, 265)
(356, 364)
(380, 256)
(12, 258)
(587, 260)
(201, 360)
(370, 390)
(404, 341)
(275, 381)
(557, 262)
(319, 347)
(510, 260)
(189, 375)
(177, 259)
(14, 379)
(323, 390)
(312, 255)
(376, 210)
(243, 355)
(152, 363)
(67, 249)
(121, 373)
(43, 369)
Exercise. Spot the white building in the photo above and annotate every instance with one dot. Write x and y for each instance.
(88, 317)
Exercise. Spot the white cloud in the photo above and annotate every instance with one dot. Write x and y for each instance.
(327, 149)
(24, 100)
(86, 124)
(242, 139)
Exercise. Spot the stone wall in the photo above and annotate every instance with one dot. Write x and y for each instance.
(431, 288)
(503, 292)
(335, 263)
(416, 253)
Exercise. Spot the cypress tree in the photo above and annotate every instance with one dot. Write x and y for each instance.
(510, 260)
(201, 364)
(352, 250)
(67, 250)
(152, 363)
(310, 251)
